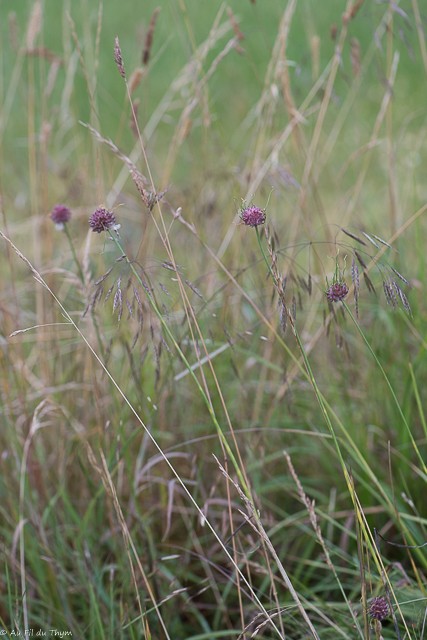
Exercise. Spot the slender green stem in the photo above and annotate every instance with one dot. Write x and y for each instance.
(418, 399)
(263, 253)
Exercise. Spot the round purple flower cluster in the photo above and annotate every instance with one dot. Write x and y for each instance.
(60, 214)
(102, 220)
(379, 608)
(252, 216)
(337, 291)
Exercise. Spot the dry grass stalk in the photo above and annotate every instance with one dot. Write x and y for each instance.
(315, 57)
(133, 121)
(135, 79)
(34, 25)
(237, 31)
(355, 56)
(104, 470)
(351, 12)
(131, 550)
(235, 25)
(148, 197)
(419, 21)
(114, 148)
(253, 519)
(13, 31)
(51, 79)
(43, 52)
(310, 506)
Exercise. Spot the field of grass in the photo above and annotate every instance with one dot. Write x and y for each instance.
(213, 411)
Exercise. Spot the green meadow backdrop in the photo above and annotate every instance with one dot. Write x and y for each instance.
(212, 429)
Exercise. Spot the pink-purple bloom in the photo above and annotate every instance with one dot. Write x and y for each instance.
(103, 220)
(378, 608)
(337, 291)
(60, 215)
(252, 216)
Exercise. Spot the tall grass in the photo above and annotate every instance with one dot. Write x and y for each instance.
(211, 430)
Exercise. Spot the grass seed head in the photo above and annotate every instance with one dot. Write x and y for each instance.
(118, 59)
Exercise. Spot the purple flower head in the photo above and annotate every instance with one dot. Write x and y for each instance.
(60, 214)
(252, 216)
(337, 291)
(102, 220)
(378, 608)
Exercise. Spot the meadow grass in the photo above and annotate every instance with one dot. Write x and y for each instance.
(212, 411)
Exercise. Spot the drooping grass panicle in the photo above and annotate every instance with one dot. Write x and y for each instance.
(390, 293)
(404, 300)
(367, 279)
(382, 241)
(280, 281)
(399, 275)
(361, 260)
(356, 284)
(194, 289)
(305, 284)
(353, 236)
(362, 265)
(393, 292)
(371, 239)
(283, 316)
(118, 300)
(109, 292)
(293, 308)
